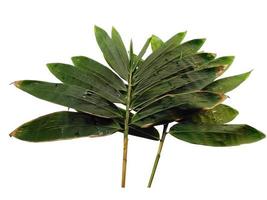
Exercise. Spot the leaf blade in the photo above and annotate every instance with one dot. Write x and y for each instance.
(168, 45)
(158, 111)
(176, 84)
(65, 125)
(177, 68)
(170, 57)
(216, 135)
(156, 42)
(227, 84)
(88, 80)
(148, 133)
(103, 72)
(70, 96)
(111, 53)
(115, 36)
(220, 114)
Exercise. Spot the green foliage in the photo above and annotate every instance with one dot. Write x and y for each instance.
(174, 83)
(65, 125)
(216, 134)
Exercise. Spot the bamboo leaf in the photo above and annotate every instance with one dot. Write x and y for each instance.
(157, 55)
(220, 114)
(216, 134)
(185, 49)
(138, 59)
(157, 112)
(225, 61)
(65, 125)
(103, 72)
(71, 96)
(88, 80)
(156, 43)
(174, 68)
(227, 84)
(111, 53)
(174, 84)
(132, 55)
(148, 133)
(167, 116)
(120, 46)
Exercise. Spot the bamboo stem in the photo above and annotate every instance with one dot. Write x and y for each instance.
(164, 133)
(126, 131)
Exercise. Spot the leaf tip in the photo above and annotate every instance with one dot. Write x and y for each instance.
(50, 66)
(17, 83)
(13, 133)
(74, 58)
(247, 74)
(230, 60)
(113, 30)
(213, 55)
(220, 70)
(202, 40)
(223, 97)
(183, 34)
(97, 29)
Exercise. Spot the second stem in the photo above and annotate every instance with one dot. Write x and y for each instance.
(164, 133)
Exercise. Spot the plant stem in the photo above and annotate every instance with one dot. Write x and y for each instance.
(126, 131)
(164, 133)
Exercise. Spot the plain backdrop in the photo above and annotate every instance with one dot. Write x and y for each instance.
(33, 33)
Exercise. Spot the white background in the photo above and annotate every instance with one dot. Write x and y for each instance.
(33, 33)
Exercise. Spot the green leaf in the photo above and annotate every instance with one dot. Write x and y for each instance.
(158, 111)
(175, 68)
(157, 55)
(220, 114)
(225, 61)
(172, 85)
(71, 96)
(103, 72)
(227, 84)
(216, 134)
(166, 116)
(65, 125)
(138, 59)
(120, 46)
(148, 133)
(156, 43)
(175, 85)
(132, 55)
(111, 53)
(188, 48)
(88, 80)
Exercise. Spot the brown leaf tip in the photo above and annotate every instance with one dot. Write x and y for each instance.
(221, 70)
(13, 133)
(17, 83)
